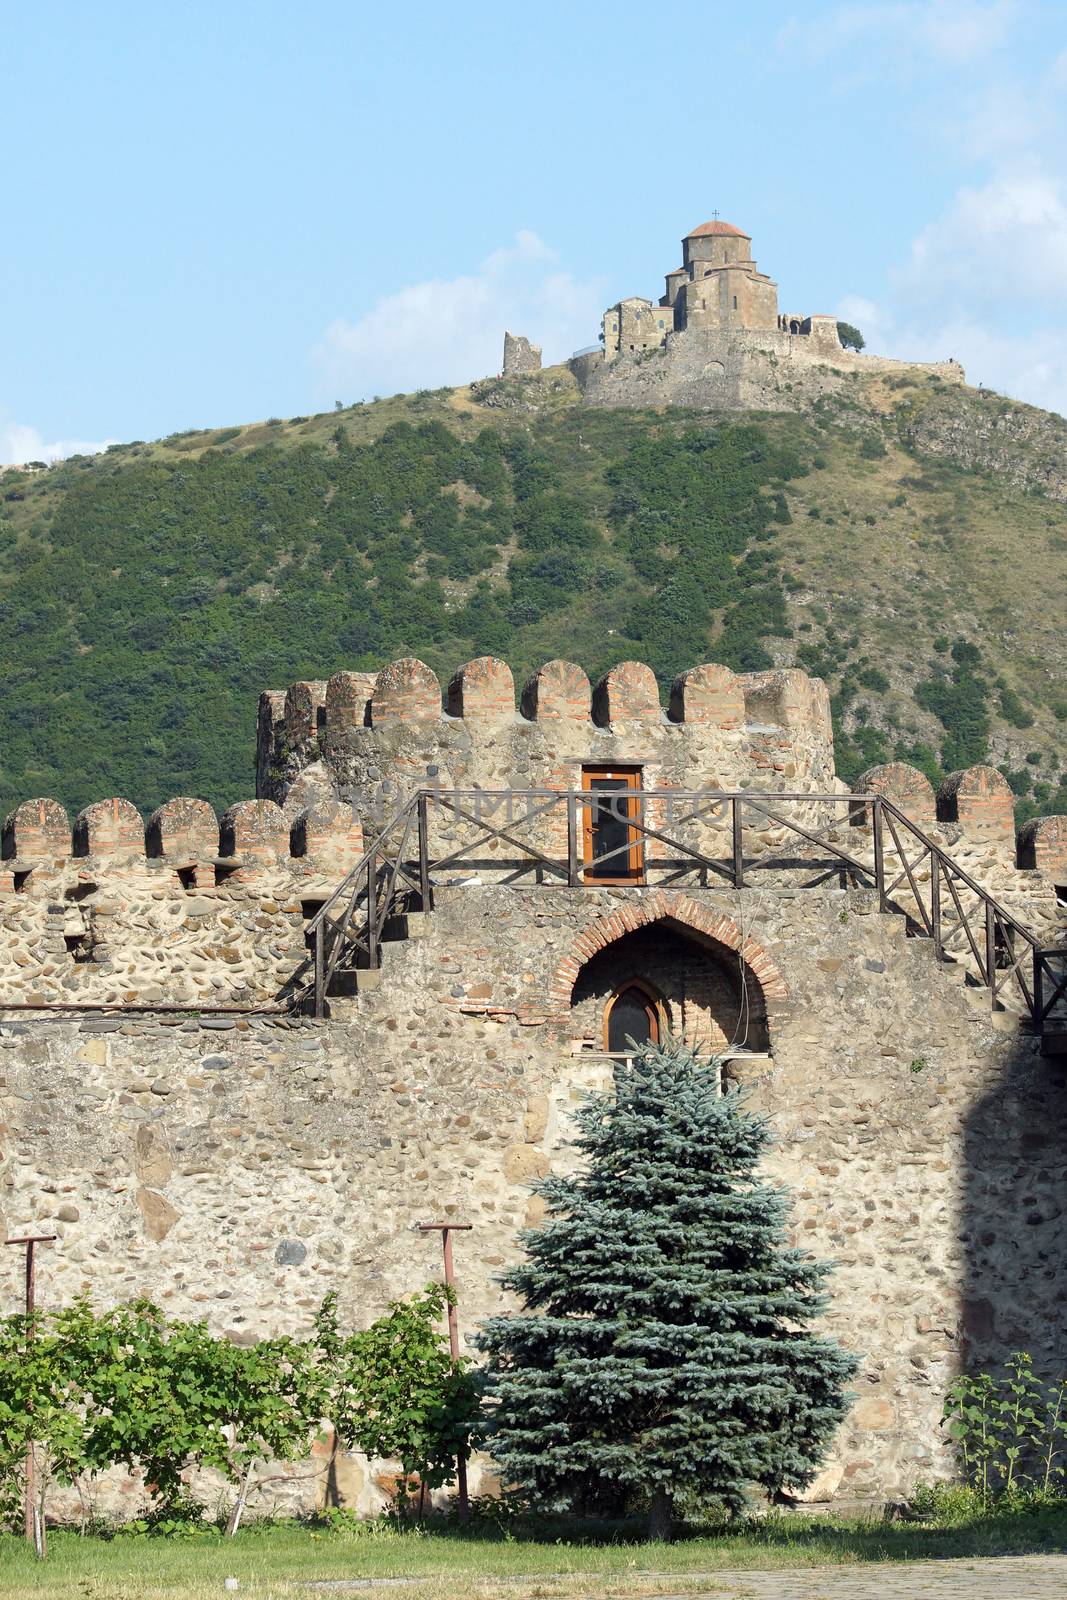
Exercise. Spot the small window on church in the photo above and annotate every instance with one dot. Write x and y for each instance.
(735, 302)
(632, 1014)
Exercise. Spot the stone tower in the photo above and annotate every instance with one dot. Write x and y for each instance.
(520, 355)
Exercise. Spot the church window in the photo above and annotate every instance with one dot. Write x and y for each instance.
(633, 1012)
(735, 302)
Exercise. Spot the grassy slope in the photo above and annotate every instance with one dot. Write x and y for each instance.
(887, 556)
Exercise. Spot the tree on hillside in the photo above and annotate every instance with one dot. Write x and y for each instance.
(664, 1344)
(850, 337)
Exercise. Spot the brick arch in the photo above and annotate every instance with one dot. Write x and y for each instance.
(679, 908)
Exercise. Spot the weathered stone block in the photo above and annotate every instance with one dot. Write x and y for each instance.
(348, 697)
(158, 1213)
(523, 1163)
(329, 833)
(405, 691)
(305, 705)
(710, 694)
(483, 690)
(109, 828)
(627, 693)
(787, 698)
(184, 828)
(1043, 847)
(255, 830)
(908, 788)
(980, 800)
(872, 1416)
(37, 830)
(558, 691)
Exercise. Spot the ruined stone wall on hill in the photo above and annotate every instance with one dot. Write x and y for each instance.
(738, 370)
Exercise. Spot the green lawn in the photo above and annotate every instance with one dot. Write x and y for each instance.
(280, 1560)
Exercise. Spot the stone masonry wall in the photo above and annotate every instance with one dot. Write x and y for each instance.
(736, 370)
(190, 1138)
(238, 1167)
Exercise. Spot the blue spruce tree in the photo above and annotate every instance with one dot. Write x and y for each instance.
(664, 1344)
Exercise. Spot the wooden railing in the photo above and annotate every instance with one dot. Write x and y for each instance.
(697, 837)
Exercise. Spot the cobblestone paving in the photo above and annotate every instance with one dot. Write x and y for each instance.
(994, 1578)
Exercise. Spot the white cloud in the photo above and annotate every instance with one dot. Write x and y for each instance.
(952, 31)
(960, 30)
(19, 443)
(449, 331)
(1002, 245)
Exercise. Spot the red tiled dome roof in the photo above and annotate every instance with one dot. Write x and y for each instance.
(708, 229)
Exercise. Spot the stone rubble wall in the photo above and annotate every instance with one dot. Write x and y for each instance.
(520, 355)
(198, 910)
(239, 1167)
(239, 1163)
(182, 924)
(738, 370)
(373, 740)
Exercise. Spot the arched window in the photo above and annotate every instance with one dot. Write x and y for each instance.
(633, 1012)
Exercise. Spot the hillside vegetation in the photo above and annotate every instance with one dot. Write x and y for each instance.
(147, 595)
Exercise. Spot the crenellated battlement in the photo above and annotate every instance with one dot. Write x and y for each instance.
(184, 844)
(363, 736)
(197, 908)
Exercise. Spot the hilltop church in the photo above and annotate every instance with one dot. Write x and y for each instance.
(716, 340)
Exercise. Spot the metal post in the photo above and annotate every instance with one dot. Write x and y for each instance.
(879, 851)
(739, 859)
(991, 953)
(1039, 991)
(31, 1241)
(446, 1230)
(935, 902)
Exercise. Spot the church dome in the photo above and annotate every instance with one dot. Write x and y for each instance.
(713, 229)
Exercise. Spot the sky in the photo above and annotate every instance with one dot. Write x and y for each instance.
(219, 212)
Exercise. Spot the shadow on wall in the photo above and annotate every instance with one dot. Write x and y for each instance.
(1013, 1221)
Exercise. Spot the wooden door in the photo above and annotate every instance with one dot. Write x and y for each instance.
(612, 846)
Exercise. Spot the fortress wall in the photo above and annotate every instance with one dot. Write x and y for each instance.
(738, 369)
(204, 911)
(237, 1168)
(490, 737)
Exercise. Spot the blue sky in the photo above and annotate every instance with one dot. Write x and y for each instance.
(219, 212)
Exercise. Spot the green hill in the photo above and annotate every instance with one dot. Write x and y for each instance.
(909, 544)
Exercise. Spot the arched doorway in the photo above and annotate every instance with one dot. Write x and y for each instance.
(665, 978)
(633, 1015)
